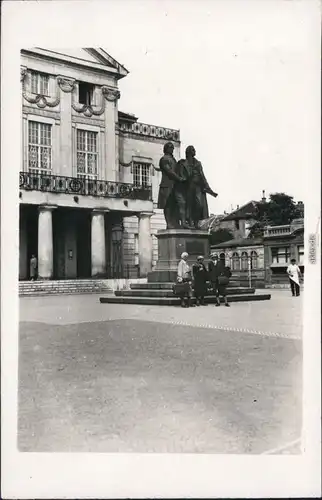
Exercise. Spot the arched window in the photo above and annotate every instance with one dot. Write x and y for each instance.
(254, 259)
(244, 261)
(222, 256)
(235, 262)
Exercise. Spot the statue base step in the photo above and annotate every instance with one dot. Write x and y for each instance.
(175, 301)
(167, 285)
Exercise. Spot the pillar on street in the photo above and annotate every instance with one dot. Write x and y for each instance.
(98, 243)
(45, 242)
(145, 243)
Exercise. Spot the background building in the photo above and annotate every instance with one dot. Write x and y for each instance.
(281, 244)
(89, 178)
(264, 260)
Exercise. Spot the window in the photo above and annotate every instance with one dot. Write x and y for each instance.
(300, 252)
(237, 224)
(222, 256)
(254, 259)
(39, 147)
(280, 255)
(39, 83)
(235, 262)
(85, 93)
(244, 261)
(86, 154)
(141, 174)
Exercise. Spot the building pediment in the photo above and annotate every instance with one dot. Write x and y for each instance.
(95, 58)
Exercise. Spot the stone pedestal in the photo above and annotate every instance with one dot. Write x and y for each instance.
(171, 244)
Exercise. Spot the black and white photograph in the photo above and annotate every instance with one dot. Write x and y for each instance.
(160, 261)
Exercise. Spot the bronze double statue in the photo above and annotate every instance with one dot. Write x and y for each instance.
(183, 189)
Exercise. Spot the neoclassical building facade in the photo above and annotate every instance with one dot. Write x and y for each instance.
(89, 178)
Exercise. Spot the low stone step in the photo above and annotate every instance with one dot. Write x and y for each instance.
(65, 292)
(62, 287)
(56, 287)
(169, 293)
(48, 290)
(167, 285)
(151, 286)
(167, 301)
(52, 282)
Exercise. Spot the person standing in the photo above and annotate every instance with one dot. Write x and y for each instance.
(33, 267)
(219, 275)
(200, 275)
(294, 274)
(184, 281)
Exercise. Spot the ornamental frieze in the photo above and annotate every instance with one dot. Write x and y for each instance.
(23, 73)
(123, 164)
(110, 94)
(88, 110)
(41, 100)
(66, 84)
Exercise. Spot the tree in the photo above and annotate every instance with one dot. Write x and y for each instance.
(279, 210)
(220, 236)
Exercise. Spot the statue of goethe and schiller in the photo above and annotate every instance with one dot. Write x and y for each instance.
(183, 189)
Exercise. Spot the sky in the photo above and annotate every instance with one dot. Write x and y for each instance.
(239, 78)
(235, 78)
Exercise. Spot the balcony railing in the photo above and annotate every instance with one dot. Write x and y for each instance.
(277, 231)
(144, 129)
(81, 186)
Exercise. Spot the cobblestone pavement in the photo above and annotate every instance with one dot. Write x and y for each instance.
(108, 378)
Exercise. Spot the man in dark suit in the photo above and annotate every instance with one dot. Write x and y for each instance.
(219, 275)
(170, 198)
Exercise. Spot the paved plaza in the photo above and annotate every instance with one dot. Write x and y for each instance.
(126, 378)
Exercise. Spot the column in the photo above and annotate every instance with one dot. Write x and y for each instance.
(145, 243)
(65, 129)
(98, 243)
(45, 242)
(111, 95)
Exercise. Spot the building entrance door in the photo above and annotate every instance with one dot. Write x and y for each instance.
(28, 238)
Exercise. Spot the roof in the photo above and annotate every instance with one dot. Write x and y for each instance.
(211, 222)
(94, 58)
(127, 117)
(246, 211)
(239, 242)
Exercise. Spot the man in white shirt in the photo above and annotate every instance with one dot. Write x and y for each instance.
(294, 275)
